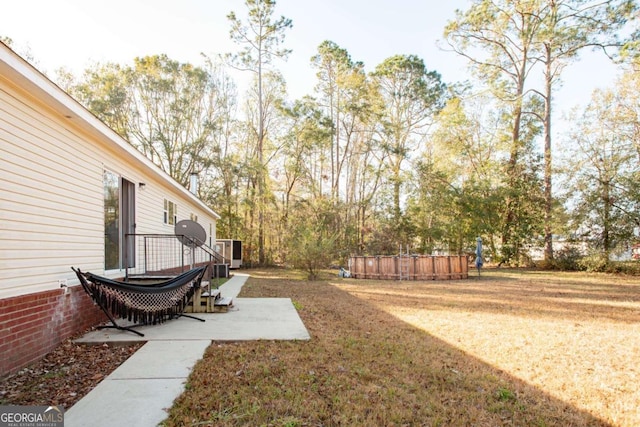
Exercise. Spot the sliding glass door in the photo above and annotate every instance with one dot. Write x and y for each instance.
(119, 220)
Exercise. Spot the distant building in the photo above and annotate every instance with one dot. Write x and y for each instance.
(536, 252)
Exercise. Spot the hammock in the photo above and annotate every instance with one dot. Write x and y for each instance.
(142, 304)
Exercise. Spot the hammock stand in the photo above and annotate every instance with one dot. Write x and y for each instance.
(142, 304)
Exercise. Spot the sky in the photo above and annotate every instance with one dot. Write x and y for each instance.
(76, 33)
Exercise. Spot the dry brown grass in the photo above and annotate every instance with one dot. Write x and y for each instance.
(511, 348)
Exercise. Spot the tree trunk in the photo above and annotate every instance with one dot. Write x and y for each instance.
(512, 172)
(606, 220)
(548, 198)
(261, 180)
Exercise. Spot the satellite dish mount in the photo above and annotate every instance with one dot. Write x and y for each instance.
(191, 234)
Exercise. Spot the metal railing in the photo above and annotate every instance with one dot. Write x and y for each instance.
(166, 255)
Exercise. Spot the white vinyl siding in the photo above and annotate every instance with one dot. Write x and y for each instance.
(48, 212)
(51, 192)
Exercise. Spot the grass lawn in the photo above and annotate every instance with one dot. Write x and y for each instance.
(522, 348)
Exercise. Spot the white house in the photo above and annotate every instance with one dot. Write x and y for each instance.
(70, 189)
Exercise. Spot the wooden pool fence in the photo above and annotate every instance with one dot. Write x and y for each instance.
(410, 267)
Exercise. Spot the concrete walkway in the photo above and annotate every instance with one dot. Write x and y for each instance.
(141, 390)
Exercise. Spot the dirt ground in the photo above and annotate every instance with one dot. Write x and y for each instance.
(63, 376)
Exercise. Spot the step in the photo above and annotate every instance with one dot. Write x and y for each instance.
(228, 301)
(200, 301)
(214, 292)
(222, 305)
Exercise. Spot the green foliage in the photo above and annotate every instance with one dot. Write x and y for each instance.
(167, 109)
(459, 191)
(568, 258)
(571, 259)
(411, 96)
(259, 35)
(523, 216)
(311, 242)
(594, 263)
(603, 170)
(505, 395)
(387, 237)
(372, 161)
(506, 44)
(631, 268)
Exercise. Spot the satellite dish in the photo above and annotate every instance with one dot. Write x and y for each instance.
(190, 233)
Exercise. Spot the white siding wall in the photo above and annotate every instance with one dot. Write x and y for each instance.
(51, 195)
(150, 208)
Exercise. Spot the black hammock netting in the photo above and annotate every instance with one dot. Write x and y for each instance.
(142, 304)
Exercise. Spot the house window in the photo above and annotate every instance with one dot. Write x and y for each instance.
(170, 212)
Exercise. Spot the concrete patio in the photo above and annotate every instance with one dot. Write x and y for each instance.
(141, 390)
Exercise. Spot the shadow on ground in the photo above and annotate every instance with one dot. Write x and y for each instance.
(525, 294)
(365, 366)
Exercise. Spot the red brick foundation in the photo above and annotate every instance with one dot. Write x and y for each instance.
(32, 325)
